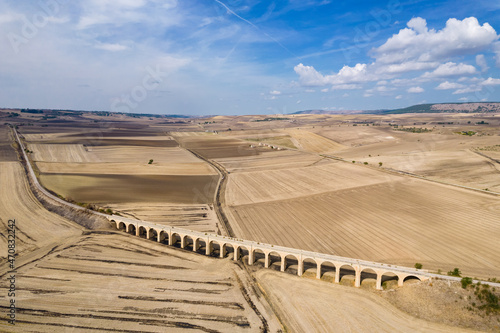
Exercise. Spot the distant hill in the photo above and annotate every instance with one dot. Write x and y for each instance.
(333, 111)
(446, 108)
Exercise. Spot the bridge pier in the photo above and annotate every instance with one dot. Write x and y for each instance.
(208, 247)
(266, 260)
(337, 274)
(250, 256)
(195, 244)
(236, 253)
(183, 242)
(357, 280)
(222, 251)
(318, 272)
(283, 263)
(378, 285)
(300, 268)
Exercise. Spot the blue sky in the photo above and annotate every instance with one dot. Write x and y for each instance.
(246, 57)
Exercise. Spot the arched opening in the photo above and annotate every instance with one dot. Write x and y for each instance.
(259, 258)
(290, 264)
(190, 243)
(202, 246)
(121, 226)
(274, 260)
(309, 268)
(142, 232)
(327, 271)
(368, 278)
(347, 275)
(242, 253)
(163, 237)
(176, 240)
(153, 235)
(389, 280)
(228, 250)
(215, 248)
(131, 229)
(410, 279)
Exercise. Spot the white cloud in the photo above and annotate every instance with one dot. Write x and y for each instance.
(310, 90)
(310, 77)
(449, 85)
(490, 82)
(298, 102)
(416, 90)
(398, 97)
(111, 47)
(324, 90)
(418, 43)
(275, 92)
(467, 90)
(481, 62)
(463, 99)
(496, 48)
(451, 69)
(346, 86)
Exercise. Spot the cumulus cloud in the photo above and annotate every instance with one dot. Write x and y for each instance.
(416, 90)
(418, 43)
(451, 69)
(449, 85)
(467, 90)
(275, 92)
(308, 76)
(398, 97)
(481, 62)
(490, 82)
(416, 48)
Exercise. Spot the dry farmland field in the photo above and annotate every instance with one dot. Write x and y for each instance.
(336, 184)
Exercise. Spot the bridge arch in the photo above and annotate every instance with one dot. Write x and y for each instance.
(326, 270)
(163, 236)
(345, 271)
(216, 248)
(120, 225)
(271, 256)
(287, 262)
(369, 275)
(409, 277)
(142, 231)
(259, 256)
(131, 229)
(175, 238)
(308, 265)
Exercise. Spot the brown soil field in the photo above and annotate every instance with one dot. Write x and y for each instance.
(313, 142)
(121, 283)
(193, 217)
(270, 160)
(316, 307)
(261, 186)
(187, 169)
(96, 142)
(216, 146)
(131, 154)
(99, 188)
(76, 153)
(7, 153)
(397, 222)
(36, 227)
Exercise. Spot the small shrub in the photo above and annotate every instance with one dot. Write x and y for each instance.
(365, 163)
(466, 281)
(455, 272)
(418, 265)
(379, 164)
(353, 161)
(150, 161)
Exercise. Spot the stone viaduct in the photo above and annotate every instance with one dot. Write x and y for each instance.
(222, 246)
